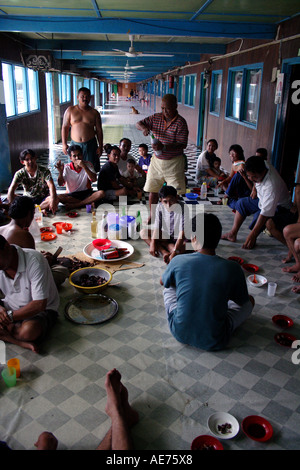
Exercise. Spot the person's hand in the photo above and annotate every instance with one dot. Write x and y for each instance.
(49, 257)
(249, 242)
(53, 204)
(242, 173)
(99, 151)
(158, 145)
(4, 320)
(253, 194)
(59, 166)
(146, 132)
(65, 149)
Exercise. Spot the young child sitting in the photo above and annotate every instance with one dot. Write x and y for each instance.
(133, 177)
(145, 157)
(167, 236)
(216, 168)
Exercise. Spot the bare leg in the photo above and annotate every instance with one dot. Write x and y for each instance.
(292, 236)
(275, 232)
(296, 289)
(121, 414)
(46, 441)
(72, 203)
(238, 221)
(21, 336)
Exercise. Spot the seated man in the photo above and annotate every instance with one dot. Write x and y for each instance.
(168, 236)
(291, 234)
(205, 296)
(77, 176)
(36, 181)
(16, 232)
(272, 209)
(30, 304)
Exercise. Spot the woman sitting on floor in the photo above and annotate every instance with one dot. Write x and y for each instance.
(204, 171)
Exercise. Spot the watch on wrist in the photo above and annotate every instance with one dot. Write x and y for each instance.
(9, 313)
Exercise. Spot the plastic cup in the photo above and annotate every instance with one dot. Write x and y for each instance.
(14, 362)
(88, 208)
(216, 192)
(224, 201)
(272, 289)
(9, 376)
(59, 228)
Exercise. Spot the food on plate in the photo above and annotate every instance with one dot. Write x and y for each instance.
(87, 280)
(224, 428)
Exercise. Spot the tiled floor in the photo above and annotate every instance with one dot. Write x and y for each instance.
(174, 387)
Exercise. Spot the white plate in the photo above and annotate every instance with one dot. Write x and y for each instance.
(220, 418)
(261, 280)
(92, 252)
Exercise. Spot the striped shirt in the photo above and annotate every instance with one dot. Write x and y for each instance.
(168, 132)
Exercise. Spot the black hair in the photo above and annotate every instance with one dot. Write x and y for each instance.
(20, 207)
(171, 99)
(74, 148)
(131, 160)
(108, 148)
(255, 164)
(25, 152)
(238, 149)
(125, 138)
(84, 89)
(217, 159)
(263, 152)
(3, 242)
(144, 146)
(212, 229)
(167, 191)
(214, 141)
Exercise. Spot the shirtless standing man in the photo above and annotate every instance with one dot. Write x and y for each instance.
(85, 124)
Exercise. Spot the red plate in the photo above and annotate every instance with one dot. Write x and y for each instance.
(257, 428)
(72, 214)
(48, 236)
(237, 259)
(46, 229)
(282, 321)
(101, 243)
(251, 268)
(67, 227)
(55, 223)
(285, 339)
(206, 443)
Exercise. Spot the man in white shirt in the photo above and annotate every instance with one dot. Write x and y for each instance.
(30, 304)
(78, 176)
(273, 208)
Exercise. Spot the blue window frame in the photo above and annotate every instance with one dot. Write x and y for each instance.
(64, 88)
(216, 92)
(179, 90)
(243, 94)
(190, 90)
(21, 90)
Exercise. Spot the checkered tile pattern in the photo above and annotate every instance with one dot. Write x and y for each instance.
(175, 388)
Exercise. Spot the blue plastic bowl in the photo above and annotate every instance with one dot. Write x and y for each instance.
(192, 195)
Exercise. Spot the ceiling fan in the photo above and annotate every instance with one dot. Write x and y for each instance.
(133, 53)
(131, 67)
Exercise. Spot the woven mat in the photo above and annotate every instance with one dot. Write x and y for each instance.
(112, 266)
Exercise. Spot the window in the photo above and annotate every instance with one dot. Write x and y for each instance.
(179, 90)
(64, 88)
(190, 90)
(20, 89)
(244, 84)
(216, 88)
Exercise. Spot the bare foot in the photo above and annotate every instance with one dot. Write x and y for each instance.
(288, 259)
(113, 389)
(46, 441)
(292, 269)
(296, 289)
(231, 237)
(8, 338)
(296, 278)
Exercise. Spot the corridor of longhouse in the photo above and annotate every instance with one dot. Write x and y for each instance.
(174, 387)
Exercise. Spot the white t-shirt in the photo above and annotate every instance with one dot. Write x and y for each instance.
(135, 174)
(272, 192)
(77, 180)
(33, 281)
(202, 163)
(122, 164)
(171, 223)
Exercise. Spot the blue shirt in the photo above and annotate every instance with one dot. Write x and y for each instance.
(204, 284)
(145, 161)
